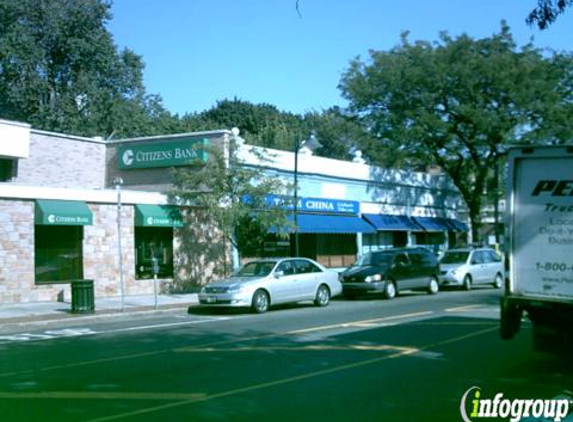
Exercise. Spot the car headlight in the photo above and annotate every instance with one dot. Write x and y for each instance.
(375, 277)
(236, 288)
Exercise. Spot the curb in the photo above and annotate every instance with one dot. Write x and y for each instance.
(68, 315)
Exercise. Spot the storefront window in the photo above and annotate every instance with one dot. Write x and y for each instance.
(335, 250)
(7, 169)
(58, 253)
(384, 240)
(153, 242)
(431, 240)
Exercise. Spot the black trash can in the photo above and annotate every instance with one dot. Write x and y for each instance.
(83, 296)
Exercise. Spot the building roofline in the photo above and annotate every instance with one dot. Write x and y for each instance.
(95, 140)
(208, 133)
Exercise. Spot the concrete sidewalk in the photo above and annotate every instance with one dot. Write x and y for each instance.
(52, 311)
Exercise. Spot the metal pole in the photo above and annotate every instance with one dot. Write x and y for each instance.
(155, 289)
(296, 248)
(119, 246)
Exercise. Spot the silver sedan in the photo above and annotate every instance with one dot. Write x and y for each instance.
(265, 282)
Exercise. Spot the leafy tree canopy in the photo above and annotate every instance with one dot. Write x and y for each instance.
(264, 125)
(233, 195)
(458, 103)
(60, 71)
(547, 12)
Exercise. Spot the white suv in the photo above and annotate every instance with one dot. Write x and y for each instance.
(468, 267)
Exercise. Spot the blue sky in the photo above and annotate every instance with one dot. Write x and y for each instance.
(198, 52)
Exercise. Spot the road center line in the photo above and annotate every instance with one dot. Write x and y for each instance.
(360, 323)
(462, 308)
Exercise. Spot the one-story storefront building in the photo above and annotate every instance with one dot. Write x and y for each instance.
(86, 208)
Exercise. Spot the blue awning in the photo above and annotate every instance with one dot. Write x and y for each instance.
(441, 224)
(384, 222)
(457, 225)
(317, 223)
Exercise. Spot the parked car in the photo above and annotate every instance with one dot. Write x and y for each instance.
(466, 267)
(391, 271)
(265, 282)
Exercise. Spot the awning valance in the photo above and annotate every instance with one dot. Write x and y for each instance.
(315, 223)
(62, 213)
(157, 216)
(384, 222)
(441, 224)
(457, 225)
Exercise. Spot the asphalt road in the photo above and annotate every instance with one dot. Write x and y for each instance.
(409, 359)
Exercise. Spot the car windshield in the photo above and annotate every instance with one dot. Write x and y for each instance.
(455, 257)
(256, 269)
(376, 258)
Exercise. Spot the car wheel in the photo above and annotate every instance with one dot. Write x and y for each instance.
(322, 296)
(467, 283)
(390, 290)
(498, 281)
(433, 286)
(260, 302)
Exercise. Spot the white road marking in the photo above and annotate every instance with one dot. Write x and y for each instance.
(78, 332)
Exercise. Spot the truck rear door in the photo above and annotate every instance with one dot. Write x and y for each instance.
(541, 213)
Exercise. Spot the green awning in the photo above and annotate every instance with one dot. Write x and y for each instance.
(63, 213)
(157, 216)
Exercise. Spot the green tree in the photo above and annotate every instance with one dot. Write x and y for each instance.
(458, 103)
(264, 125)
(233, 196)
(260, 124)
(547, 12)
(340, 134)
(60, 70)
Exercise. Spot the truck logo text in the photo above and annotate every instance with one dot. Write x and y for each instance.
(554, 188)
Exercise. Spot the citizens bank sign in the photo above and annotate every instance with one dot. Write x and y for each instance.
(183, 152)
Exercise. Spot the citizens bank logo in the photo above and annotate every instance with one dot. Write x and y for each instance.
(127, 157)
(514, 410)
(150, 221)
(51, 218)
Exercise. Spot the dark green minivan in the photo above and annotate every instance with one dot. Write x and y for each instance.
(390, 271)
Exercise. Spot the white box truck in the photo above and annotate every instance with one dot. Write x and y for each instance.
(539, 242)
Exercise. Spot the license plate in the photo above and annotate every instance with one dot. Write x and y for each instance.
(211, 299)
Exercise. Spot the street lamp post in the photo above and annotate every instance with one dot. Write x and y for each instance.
(311, 144)
(117, 182)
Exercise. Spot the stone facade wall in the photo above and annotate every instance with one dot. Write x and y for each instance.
(201, 254)
(17, 253)
(17, 257)
(101, 262)
(100, 255)
(60, 161)
(101, 251)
